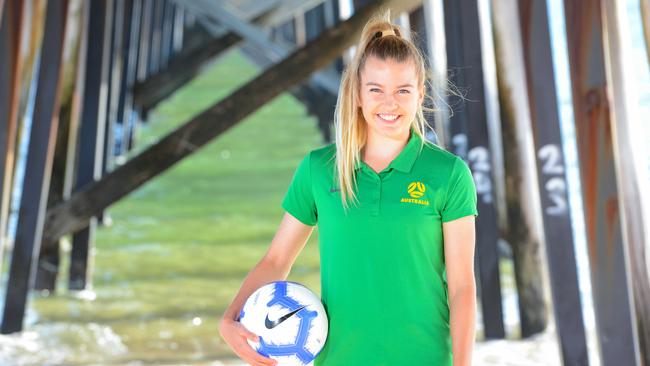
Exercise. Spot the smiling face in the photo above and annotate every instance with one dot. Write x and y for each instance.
(390, 94)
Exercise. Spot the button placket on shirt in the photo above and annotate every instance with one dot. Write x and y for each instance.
(376, 197)
(377, 187)
(373, 186)
(381, 177)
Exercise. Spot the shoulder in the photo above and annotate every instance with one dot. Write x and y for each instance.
(324, 151)
(323, 156)
(318, 163)
(438, 159)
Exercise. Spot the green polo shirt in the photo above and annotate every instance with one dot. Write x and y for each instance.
(383, 281)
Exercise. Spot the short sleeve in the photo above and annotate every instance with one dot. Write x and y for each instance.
(461, 193)
(299, 199)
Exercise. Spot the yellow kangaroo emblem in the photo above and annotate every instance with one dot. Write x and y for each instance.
(416, 189)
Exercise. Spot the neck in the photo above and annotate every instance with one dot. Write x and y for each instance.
(378, 146)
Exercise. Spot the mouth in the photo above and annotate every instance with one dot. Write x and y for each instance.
(389, 117)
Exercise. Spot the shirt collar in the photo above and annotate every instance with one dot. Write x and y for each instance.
(406, 158)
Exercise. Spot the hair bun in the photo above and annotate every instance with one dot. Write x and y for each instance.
(388, 32)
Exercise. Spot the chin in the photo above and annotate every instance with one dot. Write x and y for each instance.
(396, 132)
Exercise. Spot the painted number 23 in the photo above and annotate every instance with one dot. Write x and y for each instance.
(555, 187)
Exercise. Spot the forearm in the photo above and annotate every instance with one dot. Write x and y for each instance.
(263, 273)
(462, 322)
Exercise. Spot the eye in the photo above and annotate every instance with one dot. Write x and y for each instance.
(404, 91)
(375, 90)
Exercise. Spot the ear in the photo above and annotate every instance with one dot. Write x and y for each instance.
(421, 91)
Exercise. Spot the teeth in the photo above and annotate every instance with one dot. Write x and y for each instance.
(389, 117)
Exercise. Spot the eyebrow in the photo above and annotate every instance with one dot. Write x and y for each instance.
(401, 86)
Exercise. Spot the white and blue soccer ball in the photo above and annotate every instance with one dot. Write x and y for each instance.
(290, 321)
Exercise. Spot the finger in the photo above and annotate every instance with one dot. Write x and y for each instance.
(263, 364)
(250, 354)
(247, 333)
(263, 361)
(255, 358)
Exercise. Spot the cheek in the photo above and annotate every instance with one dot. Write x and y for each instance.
(416, 104)
(369, 103)
(373, 99)
(365, 107)
(410, 103)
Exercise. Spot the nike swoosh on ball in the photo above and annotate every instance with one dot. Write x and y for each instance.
(270, 324)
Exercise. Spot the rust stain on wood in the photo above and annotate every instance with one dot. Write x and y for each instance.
(612, 222)
(589, 159)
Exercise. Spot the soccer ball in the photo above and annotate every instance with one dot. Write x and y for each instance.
(290, 321)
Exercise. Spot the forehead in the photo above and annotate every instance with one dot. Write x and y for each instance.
(388, 72)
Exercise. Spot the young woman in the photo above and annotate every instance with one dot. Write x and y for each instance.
(396, 223)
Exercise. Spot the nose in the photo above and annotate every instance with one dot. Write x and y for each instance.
(389, 101)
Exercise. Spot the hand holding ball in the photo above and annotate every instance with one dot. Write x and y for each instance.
(290, 321)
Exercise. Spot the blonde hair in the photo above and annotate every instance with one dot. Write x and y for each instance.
(382, 39)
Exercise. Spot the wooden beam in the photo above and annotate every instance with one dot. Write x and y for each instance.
(182, 70)
(194, 33)
(114, 74)
(282, 11)
(540, 102)
(469, 140)
(130, 47)
(178, 29)
(418, 24)
(144, 27)
(300, 33)
(345, 9)
(142, 72)
(521, 225)
(156, 36)
(275, 50)
(403, 20)
(114, 52)
(437, 57)
(285, 33)
(320, 102)
(66, 140)
(332, 17)
(145, 40)
(645, 18)
(150, 91)
(93, 122)
(75, 213)
(37, 170)
(493, 111)
(631, 166)
(11, 33)
(166, 35)
(153, 90)
(314, 21)
(611, 289)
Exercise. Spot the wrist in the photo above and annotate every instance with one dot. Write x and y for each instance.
(228, 318)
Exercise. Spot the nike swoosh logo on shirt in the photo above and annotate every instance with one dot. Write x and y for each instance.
(270, 324)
